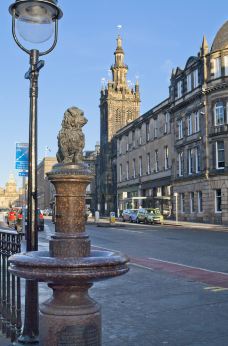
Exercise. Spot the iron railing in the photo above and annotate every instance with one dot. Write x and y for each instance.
(10, 286)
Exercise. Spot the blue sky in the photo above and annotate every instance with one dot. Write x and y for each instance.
(157, 35)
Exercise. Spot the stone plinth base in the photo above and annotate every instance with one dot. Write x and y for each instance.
(70, 318)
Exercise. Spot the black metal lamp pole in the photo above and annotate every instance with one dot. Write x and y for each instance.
(29, 14)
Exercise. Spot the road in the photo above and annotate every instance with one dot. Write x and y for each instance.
(176, 292)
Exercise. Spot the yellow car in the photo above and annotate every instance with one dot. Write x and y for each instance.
(154, 216)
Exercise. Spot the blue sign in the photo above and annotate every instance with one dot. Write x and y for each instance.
(23, 174)
(22, 157)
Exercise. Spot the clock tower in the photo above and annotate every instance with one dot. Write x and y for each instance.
(119, 105)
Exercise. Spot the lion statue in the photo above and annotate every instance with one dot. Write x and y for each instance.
(71, 140)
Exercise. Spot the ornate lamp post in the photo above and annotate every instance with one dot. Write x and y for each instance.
(36, 21)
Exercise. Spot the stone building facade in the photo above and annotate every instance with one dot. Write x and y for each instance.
(11, 196)
(90, 158)
(199, 110)
(144, 161)
(119, 105)
(190, 160)
(46, 190)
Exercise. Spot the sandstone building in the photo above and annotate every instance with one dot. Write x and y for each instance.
(119, 105)
(144, 161)
(180, 147)
(46, 190)
(11, 196)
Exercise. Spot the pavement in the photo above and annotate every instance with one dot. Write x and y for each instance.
(158, 303)
(103, 222)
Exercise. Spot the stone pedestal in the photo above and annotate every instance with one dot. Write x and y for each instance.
(70, 317)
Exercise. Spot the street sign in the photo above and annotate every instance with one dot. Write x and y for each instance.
(23, 174)
(22, 156)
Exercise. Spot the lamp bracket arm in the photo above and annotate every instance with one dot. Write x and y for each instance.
(54, 42)
(15, 35)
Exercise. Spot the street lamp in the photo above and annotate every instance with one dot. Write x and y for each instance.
(36, 21)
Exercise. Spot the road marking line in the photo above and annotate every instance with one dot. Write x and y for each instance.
(216, 289)
(141, 266)
(210, 288)
(184, 265)
(125, 230)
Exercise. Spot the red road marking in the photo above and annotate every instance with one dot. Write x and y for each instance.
(205, 276)
(196, 274)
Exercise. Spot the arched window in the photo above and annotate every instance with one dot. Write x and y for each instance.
(118, 116)
(219, 114)
(129, 115)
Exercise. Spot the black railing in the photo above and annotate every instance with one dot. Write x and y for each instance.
(10, 286)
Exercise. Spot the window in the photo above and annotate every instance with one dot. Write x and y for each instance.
(180, 128)
(127, 143)
(219, 114)
(218, 201)
(133, 166)
(133, 138)
(140, 166)
(217, 67)
(197, 160)
(166, 157)
(147, 132)
(200, 201)
(182, 203)
(189, 121)
(181, 164)
(195, 78)
(191, 196)
(220, 155)
(118, 116)
(196, 121)
(120, 146)
(120, 173)
(189, 82)
(179, 89)
(155, 128)
(156, 160)
(129, 115)
(140, 136)
(127, 170)
(166, 129)
(190, 161)
(148, 163)
(226, 64)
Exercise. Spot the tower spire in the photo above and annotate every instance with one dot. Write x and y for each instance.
(119, 69)
(204, 47)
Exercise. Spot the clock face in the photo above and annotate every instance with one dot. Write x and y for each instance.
(129, 115)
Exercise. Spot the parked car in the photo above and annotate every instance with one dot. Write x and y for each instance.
(126, 214)
(149, 215)
(133, 215)
(154, 216)
(19, 220)
(141, 215)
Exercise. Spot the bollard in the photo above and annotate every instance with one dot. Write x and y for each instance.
(112, 217)
(97, 216)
